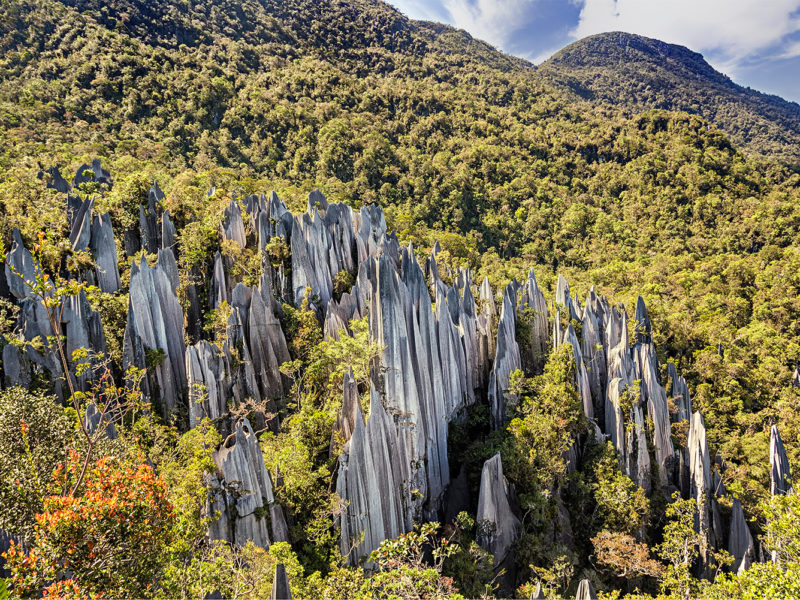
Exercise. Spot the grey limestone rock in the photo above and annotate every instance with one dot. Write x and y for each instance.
(81, 231)
(169, 237)
(19, 267)
(700, 489)
(242, 491)
(233, 224)
(56, 181)
(218, 290)
(780, 475)
(346, 420)
(208, 382)
(563, 298)
(373, 479)
(371, 230)
(498, 527)
(104, 249)
(280, 584)
(740, 542)
(507, 359)
(585, 591)
(157, 320)
(539, 346)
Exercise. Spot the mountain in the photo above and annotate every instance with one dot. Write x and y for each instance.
(639, 73)
(359, 272)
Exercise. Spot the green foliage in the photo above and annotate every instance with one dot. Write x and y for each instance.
(680, 547)
(35, 436)
(622, 506)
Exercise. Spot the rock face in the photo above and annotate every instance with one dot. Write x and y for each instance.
(498, 527)
(535, 307)
(345, 423)
(154, 335)
(208, 380)
(708, 522)
(585, 591)
(374, 459)
(243, 494)
(280, 584)
(740, 542)
(104, 249)
(780, 475)
(507, 359)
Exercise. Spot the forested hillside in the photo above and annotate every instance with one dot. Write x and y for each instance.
(639, 73)
(282, 369)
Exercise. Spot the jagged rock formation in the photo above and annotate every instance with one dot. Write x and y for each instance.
(208, 380)
(498, 527)
(740, 542)
(345, 423)
(373, 459)
(708, 522)
(242, 493)
(537, 594)
(585, 591)
(507, 358)
(154, 333)
(780, 475)
(280, 584)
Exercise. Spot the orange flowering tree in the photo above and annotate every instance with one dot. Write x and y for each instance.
(110, 540)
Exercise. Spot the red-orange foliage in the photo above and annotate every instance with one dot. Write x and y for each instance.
(109, 540)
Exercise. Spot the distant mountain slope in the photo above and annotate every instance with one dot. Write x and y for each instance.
(640, 73)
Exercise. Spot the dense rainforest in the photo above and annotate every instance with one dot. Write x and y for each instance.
(421, 381)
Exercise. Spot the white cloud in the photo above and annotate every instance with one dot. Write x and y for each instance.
(491, 20)
(733, 31)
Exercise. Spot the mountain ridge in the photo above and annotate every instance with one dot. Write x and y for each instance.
(639, 73)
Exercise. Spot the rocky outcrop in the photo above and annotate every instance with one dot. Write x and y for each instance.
(280, 584)
(346, 419)
(585, 591)
(374, 481)
(208, 382)
(507, 359)
(242, 493)
(498, 526)
(534, 306)
(740, 542)
(700, 489)
(154, 336)
(780, 474)
(104, 249)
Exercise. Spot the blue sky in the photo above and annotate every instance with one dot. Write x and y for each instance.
(755, 42)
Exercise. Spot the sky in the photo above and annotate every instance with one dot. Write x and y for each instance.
(755, 42)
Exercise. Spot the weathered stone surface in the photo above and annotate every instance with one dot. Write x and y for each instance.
(169, 237)
(158, 324)
(208, 382)
(581, 376)
(218, 287)
(83, 328)
(537, 594)
(94, 420)
(94, 172)
(594, 356)
(563, 298)
(654, 398)
(19, 267)
(780, 475)
(740, 542)
(104, 249)
(346, 419)
(242, 491)
(56, 181)
(507, 359)
(311, 259)
(498, 527)
(679, 393)
(280, 584)
(627, 433)
(373, 461)
(233, 225)
(585, 591)
(81, 231)
(700, 490)
(539, 346)
(372, 227)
